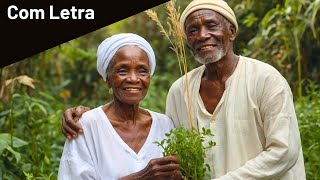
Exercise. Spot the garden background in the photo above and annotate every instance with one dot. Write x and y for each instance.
(35, 92)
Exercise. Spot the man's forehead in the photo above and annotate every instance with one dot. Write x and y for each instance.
(200, 13)
(219, 6)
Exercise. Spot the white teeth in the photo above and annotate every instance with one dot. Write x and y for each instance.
(132, 89)
(206, 47)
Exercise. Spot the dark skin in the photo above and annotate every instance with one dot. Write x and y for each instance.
(203, 28)
(206, 32)
(127, 128)
(129, 79)
(160, 168)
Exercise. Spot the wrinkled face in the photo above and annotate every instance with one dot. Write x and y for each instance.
(208, 35)
(129, 76)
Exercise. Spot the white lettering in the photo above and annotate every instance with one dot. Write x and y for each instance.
(80, 13)
(14, 12)
(73, 12)
(23, 14)
(64, 14)
(51, 13)
(89, 14)
(10, 10)
(37, 13)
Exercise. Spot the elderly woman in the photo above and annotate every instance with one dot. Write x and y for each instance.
(118, 139)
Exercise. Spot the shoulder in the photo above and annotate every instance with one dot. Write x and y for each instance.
(264, 72)
(266, 76)
(90, 117)
(263, 67)
(79, 146)
(160, 116)
(161, 119)
(192, 75)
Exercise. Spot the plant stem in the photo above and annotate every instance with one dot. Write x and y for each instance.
(299, 66)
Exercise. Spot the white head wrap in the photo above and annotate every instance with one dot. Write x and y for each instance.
(108, 48)
(219, 6)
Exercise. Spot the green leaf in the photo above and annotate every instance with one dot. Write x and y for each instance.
(187, 145)
(16, 154)
(3, 145)
(41, 107)
(17, 143)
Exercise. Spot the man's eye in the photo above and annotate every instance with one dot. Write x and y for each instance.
(192, 30)
(212, 25)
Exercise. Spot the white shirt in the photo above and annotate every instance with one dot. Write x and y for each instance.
(100, 153)
(254, 124)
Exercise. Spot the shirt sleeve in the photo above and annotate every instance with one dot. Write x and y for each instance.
(281, 131)
(76, 162)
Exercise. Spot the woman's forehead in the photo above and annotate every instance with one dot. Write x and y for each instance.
(131, 52)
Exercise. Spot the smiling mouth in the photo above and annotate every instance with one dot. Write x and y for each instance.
(205, 47)
(132, 89)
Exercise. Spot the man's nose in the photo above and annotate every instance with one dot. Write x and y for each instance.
(204, 33)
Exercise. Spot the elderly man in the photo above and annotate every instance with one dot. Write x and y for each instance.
(245, 102)
(248, 104)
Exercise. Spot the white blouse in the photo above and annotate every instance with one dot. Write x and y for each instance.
(100, 153)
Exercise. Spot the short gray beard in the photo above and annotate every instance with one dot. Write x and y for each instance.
(211, 58)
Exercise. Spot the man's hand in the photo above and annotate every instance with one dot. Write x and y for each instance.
(70, 117)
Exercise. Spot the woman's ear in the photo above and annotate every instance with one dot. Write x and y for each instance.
(108, 82)
(109, 85)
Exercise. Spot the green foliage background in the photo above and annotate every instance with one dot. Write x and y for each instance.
(284, 33)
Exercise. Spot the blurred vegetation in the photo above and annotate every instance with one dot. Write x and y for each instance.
(35, 92)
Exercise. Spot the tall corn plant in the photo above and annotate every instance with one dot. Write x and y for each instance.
(187, 144)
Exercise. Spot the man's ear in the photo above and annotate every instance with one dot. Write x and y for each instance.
(190, 49)
(188, 46)
(233, 33)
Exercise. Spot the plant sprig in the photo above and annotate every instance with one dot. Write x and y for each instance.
(188, 146)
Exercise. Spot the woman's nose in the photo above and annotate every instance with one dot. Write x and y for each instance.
(133, 77)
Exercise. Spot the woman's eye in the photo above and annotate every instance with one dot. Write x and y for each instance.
(122, 71)
(143, 71)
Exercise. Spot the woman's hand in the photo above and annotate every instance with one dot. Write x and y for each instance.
(70, 117)
(166, 168)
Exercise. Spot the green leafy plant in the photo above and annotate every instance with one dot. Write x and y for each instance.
(30, 176)
(188, 145)
(9, 156)
(30, 142)
(308, 113)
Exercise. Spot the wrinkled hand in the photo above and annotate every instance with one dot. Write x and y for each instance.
(166, 168)
(70, 117)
